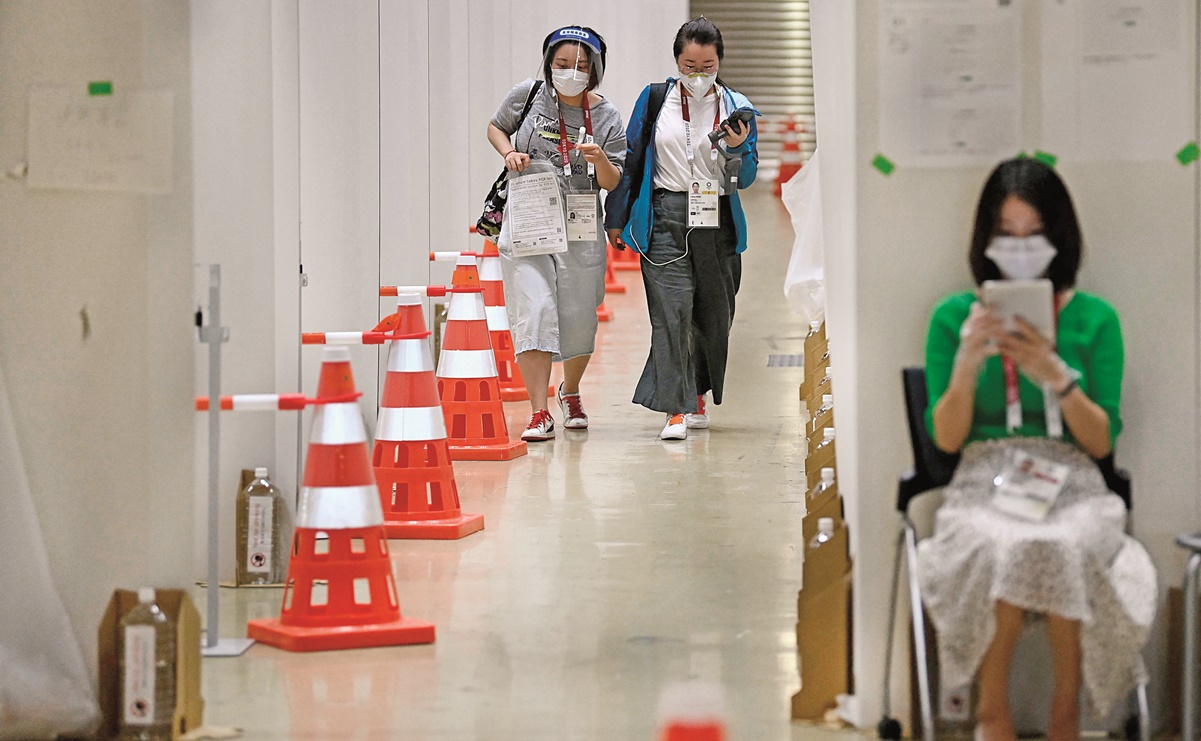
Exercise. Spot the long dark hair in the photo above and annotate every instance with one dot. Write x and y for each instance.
(700, 31)
(1039, 185)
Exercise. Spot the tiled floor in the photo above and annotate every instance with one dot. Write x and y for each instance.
(611, 564)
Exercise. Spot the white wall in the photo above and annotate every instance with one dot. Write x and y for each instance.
(104, 421)
(896, 244)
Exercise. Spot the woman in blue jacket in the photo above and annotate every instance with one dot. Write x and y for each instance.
(677, 206)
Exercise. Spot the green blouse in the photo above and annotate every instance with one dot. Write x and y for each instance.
(1089, 340)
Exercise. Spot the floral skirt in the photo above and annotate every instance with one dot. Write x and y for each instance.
(1078, 563)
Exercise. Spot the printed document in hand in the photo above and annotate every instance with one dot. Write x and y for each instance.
(535, 213)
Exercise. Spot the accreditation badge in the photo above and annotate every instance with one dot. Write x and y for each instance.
(582, 217)
(703, 206)
(1028, 485)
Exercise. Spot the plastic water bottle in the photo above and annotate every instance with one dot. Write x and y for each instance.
(262, 531)
(827, 480)
(146, 658)
(827, 439)
(827, 406)
(825, 532)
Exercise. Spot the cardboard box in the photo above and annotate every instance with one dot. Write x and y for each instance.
(817, 430)
(178, 607)
(823, 629)
(824, 507)
(821, 387)
(813, 376)
(816, 461)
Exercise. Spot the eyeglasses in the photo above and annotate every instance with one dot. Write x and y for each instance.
(690, 70)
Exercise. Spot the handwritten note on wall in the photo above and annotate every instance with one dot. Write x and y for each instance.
(119, 142)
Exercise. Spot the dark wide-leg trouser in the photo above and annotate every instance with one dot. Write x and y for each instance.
(691, 306)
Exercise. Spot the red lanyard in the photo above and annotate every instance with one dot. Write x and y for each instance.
(1013, 399)
(565, 145)
(688, 122)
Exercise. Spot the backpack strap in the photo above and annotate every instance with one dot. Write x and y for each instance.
(529, 101)
(654, 104)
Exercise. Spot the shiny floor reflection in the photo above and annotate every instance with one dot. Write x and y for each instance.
(611, 565)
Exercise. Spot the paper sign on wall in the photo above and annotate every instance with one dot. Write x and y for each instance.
(119, 142)
(950, 81)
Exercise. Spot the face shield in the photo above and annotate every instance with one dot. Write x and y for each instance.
(573, 60)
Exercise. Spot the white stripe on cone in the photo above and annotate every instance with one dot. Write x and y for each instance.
(467, 364)
(338, 424)
(339, 507)
(410, 424)
(466, 307)
(410, 356)
(498, 318)
(490, 270)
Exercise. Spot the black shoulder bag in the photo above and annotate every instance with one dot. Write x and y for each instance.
(498, 195)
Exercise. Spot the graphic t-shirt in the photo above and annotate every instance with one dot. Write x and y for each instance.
(539, 133)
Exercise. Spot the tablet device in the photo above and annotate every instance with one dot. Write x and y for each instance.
(1030, 299)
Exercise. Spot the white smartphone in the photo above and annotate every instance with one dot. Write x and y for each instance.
(1030, 299)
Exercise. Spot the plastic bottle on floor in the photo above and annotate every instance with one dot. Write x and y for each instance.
(146, 658)
(827, 439)
(825, 532)
(263, 532)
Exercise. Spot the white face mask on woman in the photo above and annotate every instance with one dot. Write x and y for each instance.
(1021, 258)
(698, 83)
(569, 82)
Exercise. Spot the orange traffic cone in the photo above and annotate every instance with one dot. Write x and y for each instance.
(604, 313)
(611, 284)
(467, 380)
(790, 155)
(508, 373)
(412, 462)
(626, 259)
(340, 591)
(692, 711)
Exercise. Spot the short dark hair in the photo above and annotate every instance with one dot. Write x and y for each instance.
(593, 74)
(700, 31)
(1039, 185)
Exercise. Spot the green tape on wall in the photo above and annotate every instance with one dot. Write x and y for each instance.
(1190, 154)
(883, 164)
(1046, 158)
(100, 88)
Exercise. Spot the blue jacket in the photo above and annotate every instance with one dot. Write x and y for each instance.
(632, 212)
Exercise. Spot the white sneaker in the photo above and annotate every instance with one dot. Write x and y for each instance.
(699, 420)
(675, 429)
(541, 427)
(574, 417)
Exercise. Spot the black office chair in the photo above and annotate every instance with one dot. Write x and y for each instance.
(933, 468)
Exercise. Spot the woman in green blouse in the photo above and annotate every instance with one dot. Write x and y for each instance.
(1009, 399)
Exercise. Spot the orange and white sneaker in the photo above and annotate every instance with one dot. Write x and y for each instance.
(541, 427)
(574, 417)
(698, 420)
(675, 429)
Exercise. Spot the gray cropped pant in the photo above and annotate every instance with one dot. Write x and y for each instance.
(691, 306)
(552, 299)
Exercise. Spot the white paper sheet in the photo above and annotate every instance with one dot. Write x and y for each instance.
(535, 212)
(950, 81)
(1116, 79)
(118, 142)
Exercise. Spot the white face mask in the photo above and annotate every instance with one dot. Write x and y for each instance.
(569, 82)
(698, 83)
(1021, 258)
